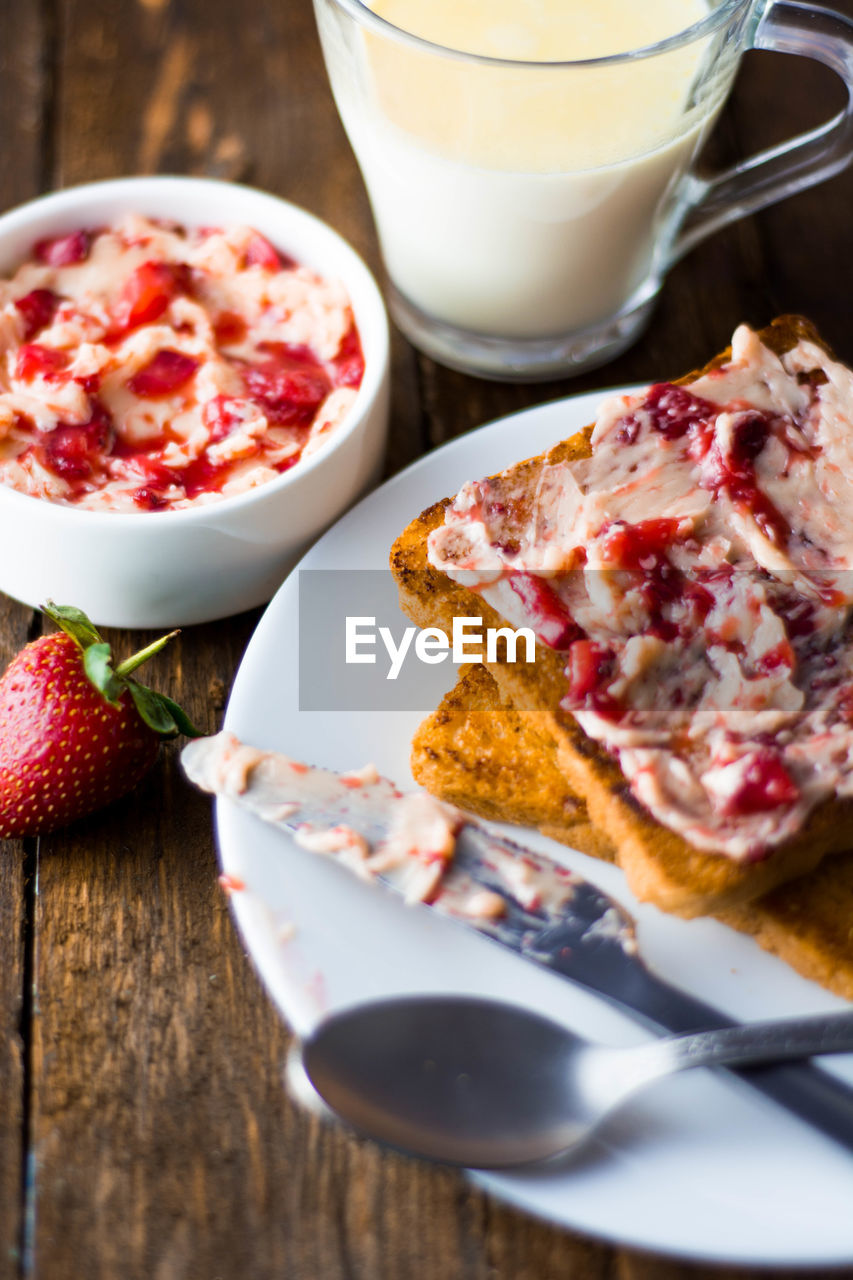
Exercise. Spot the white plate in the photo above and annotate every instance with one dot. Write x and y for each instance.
(699, 1166)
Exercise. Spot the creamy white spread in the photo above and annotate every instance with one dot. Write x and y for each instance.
(695, 570)
(145, 367)
(362, 821)
(326, 811)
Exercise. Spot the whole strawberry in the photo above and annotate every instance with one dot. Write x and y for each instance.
(74, 733)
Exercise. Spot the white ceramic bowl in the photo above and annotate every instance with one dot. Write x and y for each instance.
(173, 568)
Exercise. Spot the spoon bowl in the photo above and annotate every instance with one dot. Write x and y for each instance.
(485, 1084)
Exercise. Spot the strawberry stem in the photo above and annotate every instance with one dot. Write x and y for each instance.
(160, 713)
(137, 659)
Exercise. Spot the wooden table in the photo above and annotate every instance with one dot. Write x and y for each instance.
(144, 1130)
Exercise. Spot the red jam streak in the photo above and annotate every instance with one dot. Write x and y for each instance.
(676, 602)
(229, 329)
(639, 546)
(734, 475)
(549, 617)
(148, 292)
(74, 451)
(63, 251)
(673, 411)
(290, 385)
(766, 785)
(35, 361)
(590, 669)
(349, 362)
(38, 309)
(676, 413)
(163, 374)
(260, 253)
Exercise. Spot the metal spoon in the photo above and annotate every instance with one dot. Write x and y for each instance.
(484, 1084)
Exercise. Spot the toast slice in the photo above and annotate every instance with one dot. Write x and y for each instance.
(482, 755)
(661, 866)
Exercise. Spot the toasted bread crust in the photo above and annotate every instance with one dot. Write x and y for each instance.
(660, 865)
(479, 753)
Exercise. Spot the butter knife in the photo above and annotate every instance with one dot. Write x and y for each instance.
(519, 899)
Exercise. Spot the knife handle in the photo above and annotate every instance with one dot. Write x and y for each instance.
(804, 1089)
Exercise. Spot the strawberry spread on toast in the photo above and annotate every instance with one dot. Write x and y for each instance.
(695, 571)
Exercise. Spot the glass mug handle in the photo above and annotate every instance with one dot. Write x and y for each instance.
(786, 26)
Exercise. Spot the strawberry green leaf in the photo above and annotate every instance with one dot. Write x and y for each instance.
(160, 713)
(152, 709)
(74, 623)
(97, 661)
(181, 719)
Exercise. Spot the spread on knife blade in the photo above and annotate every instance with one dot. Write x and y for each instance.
(363, 821)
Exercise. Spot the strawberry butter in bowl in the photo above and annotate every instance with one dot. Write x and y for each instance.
(193, 385)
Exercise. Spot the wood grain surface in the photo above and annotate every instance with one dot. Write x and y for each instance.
(144, 1129)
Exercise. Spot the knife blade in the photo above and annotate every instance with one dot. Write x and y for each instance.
(518, 898)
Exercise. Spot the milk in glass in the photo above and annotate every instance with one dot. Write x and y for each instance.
(523, 200)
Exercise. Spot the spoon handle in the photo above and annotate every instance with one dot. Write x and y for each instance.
(753, 1043)
(803, 1088)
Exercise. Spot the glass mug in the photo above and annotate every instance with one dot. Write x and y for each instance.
(528, 211)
